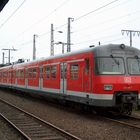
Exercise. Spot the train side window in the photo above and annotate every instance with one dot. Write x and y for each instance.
(21, 73)
(62, 71)
(34, 73)
(63, 67)
(40, 72)
(48, 72)
(53, 72)
(17, 73)
(3, 74)
(6, 74)
(44, 72)
(74, 68)
(9, 74)
(87, 65)
(12, 74)
(26, 73)
(30, 73)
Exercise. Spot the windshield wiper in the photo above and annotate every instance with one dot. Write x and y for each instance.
(138, 59)
(116, 61)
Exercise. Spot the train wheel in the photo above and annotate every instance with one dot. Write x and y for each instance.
(129, 110)
(125, 109)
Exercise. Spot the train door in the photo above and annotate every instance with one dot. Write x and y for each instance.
(10, 77)
(87, 76)
(26, 77)
(16, 73)
(63, 77)
(40, 76)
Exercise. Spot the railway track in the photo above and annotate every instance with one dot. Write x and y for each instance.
(130, 121)
(30, 126)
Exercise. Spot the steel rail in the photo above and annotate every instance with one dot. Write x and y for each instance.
(134, 117)
(12, 124)
(125, 123)
(63, 132)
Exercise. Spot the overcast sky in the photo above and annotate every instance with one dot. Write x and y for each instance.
(94, 21)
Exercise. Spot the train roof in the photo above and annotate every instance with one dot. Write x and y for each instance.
(116, 50)
(102, 50)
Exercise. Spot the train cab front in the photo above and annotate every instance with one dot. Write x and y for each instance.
(117, 74)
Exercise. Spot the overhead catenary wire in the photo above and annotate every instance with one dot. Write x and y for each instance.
(106, 21)
(89, 42)
(95, 39)
(37, 22)
(116, 25)
(46, 33)
(45, 17)
(77, 18)
(41, 35)
(95, 10)
(25, 43)
(12, 14)
(117, 39)
(86, 41)
(86, 14)
(56, 28)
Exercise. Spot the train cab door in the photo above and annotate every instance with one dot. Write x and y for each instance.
(87, 76)
(63, 77)
(40, 76)
(26, 77)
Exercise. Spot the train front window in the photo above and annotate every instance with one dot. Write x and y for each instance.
(133, 66)
(109, 65)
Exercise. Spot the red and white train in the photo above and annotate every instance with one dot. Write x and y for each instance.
(103, 76)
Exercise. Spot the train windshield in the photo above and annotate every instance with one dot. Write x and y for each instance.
(133, 66)
(110, 65)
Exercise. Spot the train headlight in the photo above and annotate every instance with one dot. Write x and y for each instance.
(108, 87)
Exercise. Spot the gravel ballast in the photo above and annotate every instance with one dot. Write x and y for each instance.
(7, 132)
(79, 124)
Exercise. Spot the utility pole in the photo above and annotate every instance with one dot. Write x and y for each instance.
(130, 32)
(63, 44)
(9, 51)
(3, 57)
(69, 34)
(52, 40)
(34, 46)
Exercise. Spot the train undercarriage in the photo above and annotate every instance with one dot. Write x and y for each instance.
(126, 101)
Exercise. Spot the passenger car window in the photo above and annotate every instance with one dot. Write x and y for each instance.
(21, 73)
(53, 72)
(63, 71)
(74, 68)
(34, 73)
(48, 71)
(30, 73)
